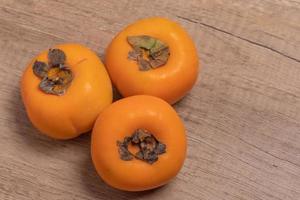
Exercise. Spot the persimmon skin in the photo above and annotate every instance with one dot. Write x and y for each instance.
(171, 81)
(121, 119)
(74, 113)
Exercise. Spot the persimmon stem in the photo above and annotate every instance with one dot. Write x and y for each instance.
(56, 77)
(154, 50)
(149, 147)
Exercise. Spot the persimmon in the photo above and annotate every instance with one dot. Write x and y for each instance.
(138, 143)
(64, 89)
(153, 56)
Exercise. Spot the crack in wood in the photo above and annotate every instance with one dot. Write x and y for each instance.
(270, 154)
(241, 38)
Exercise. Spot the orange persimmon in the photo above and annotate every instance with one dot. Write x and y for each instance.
(173, 72)
(133, 171)
(65, 111)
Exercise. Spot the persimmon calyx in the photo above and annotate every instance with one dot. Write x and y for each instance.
(149, 147)
(56, 76)
(149, 52)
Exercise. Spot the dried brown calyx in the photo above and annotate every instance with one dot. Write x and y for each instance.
(149, 147)
(56, 76)
(148, 52)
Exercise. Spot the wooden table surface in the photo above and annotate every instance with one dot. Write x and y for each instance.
(242, 117)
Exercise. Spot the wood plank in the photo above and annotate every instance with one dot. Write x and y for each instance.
(242, 117)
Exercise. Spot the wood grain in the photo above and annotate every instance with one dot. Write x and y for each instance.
(242, 117)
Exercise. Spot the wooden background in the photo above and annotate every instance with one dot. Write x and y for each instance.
(242, 117)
